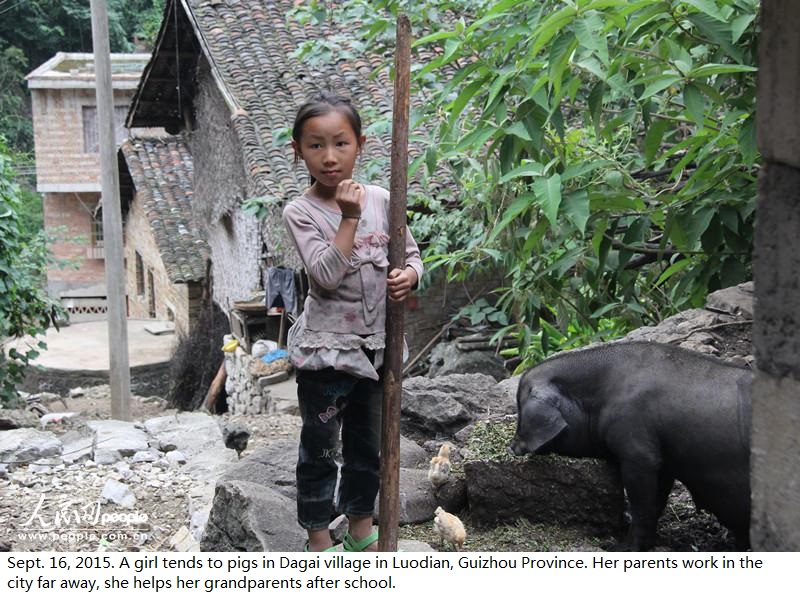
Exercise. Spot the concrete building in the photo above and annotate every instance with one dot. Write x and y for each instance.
(68, 169)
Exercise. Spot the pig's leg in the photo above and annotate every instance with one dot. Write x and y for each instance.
(647, 487)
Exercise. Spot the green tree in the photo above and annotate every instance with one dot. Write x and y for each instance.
(15, 114)
(31, 32)
(25, 307)
(603, 150)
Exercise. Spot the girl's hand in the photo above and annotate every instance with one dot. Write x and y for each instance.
(348, 196)
(400, 282)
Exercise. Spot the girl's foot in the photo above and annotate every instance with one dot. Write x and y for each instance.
(328, 549)
(319, 541)
(361, 537)
(368, 543)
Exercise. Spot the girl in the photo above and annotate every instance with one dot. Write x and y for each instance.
(340, 229)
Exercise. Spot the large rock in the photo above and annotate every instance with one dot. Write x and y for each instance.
(25, 445)
(198, 437)
(211, 463)
(12, 419)
(448, 403)
(508, 389)
(736, 300)
(723, 328)
(115, 439)
(447, 358)
(452, 496)
(271, 466)
(417, 501)
(188, 432)
(546, 489)
(412, 455)
(77, 446)
(247, 493)
(248, 517)
(434, 412)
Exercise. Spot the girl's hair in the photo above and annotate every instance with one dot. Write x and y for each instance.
(319, 105)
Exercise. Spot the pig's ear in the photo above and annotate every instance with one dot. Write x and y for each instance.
(541, 419)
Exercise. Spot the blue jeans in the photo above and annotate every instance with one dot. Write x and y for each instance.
(329, 401)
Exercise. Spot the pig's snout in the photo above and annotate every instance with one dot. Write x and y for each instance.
(516, 447)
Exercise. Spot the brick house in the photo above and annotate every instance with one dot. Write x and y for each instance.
(223, 77)
(165, 255)
(68, 169)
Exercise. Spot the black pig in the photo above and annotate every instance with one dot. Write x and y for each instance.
(661, 412)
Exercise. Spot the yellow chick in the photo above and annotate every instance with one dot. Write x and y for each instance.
(439, 471)
(449, 527)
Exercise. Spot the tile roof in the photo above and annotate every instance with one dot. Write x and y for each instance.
(162, 173)
(250, 45)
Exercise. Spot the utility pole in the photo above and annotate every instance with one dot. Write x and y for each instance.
(120, 374)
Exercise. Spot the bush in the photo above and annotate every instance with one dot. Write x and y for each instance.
(197, 359)
(25, 306)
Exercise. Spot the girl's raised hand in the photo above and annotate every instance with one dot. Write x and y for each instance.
(400, 282)
(348, 196)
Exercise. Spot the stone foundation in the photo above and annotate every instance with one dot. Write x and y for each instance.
(249, 379)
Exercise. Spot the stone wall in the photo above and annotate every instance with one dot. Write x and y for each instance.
(775, 448)
(429, 310)
(219, 187)
(146, 380)
(247, 389)
(173, 301)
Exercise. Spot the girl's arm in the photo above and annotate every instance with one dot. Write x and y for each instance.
(323, 260)
(349, 194)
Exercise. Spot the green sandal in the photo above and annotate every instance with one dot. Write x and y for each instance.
(330, 549)
(351, 545)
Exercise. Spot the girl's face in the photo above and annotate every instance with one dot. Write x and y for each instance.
(329, 147)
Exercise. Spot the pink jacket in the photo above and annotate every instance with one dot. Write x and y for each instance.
(346, 296)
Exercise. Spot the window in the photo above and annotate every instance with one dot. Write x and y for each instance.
(97, 229)
(151, 303)
(91, 143)
(139, 275)
(95, 248)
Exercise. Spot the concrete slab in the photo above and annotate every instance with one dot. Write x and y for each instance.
(84, 346)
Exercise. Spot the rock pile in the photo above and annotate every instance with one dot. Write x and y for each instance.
(131, 460)
(249, 378)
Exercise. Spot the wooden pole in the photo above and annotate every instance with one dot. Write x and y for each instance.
(215, 390)
(120, 374)
(389, 501)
